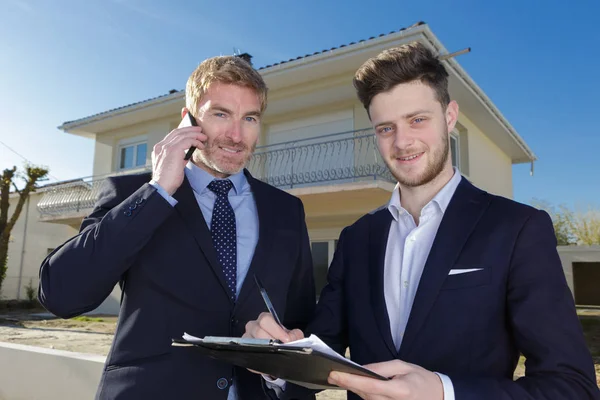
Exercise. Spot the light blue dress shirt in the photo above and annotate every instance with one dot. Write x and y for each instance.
(246, 218)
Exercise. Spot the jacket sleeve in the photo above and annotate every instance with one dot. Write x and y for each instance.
(301, 298)
(328, 322)
(545, 327)
(80, 274)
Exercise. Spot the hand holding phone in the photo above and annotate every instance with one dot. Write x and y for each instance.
(188, 120)
(168, 164)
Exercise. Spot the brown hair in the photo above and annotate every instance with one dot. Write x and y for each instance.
(223, 69)
(407, 63)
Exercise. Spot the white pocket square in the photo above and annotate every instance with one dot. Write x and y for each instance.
(463, 271)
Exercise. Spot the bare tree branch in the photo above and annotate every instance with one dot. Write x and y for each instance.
(33, 174)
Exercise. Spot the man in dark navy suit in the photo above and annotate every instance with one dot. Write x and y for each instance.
(443, 288)
(185, 243)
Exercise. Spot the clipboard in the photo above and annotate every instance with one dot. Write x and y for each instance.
(302, 365)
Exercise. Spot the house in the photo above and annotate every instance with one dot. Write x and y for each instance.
(316, 142)
(31, 240)
(582, 270)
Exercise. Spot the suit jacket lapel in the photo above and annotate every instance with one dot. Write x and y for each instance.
(464, 211)
(265, 232)
(378, 237)
(188, 209)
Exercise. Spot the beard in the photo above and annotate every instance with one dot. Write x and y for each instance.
(435, 165)
(209, 157)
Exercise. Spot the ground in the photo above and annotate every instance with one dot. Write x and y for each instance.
(94, 335)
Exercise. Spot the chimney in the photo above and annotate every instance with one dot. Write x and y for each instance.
(246, 57)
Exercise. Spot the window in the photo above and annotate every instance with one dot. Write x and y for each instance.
(320, 257)
(455, 150)
(132, 155)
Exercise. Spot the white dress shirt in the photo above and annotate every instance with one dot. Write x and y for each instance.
(408, 247)
(407, 250)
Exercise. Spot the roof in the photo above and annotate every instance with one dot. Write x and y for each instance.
(470, 90)
(173, 91)
(343, 45)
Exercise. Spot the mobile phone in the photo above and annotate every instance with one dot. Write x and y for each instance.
(188, 120)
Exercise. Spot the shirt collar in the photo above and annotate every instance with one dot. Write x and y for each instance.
(442, 198)
(200, 179)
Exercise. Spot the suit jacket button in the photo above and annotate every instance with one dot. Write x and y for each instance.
(128, 213)
(139, 201)
(222, 383)
(133, 207)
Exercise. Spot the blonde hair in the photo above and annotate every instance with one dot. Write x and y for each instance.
(223, 69)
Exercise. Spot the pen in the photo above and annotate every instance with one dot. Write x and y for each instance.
(267, 301)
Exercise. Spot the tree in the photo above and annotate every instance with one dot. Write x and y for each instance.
(559, 220)
(32, 176)
(584, 226)
(573, 227)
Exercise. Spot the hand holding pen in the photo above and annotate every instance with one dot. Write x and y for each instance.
(268, 325)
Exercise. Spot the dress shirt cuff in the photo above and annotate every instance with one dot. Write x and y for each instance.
(164, 193)
(278, 385)
(447, 385)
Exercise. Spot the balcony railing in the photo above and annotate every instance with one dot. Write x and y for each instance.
(340, 157)
(71, 197)
(330, 159)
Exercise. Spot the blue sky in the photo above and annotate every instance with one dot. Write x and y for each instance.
(67, 59)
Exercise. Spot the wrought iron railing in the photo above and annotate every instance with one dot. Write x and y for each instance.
(346, 156)
(336, 158)
(73, 196)
(68, 197)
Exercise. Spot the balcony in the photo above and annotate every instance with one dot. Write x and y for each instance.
(347, 160)
(69, 201)
(336, 158)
